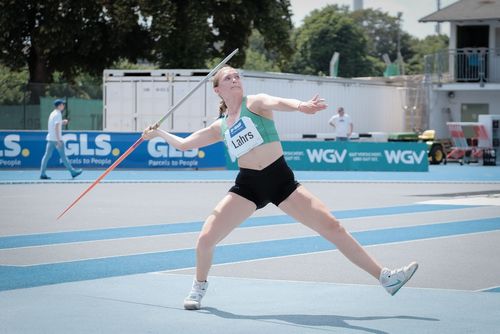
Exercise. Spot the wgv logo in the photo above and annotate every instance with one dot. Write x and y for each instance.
(157, 148)
(12, 146)
(406, 157)
(79, 145)
(329, 156)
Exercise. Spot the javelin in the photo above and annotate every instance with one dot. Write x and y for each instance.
(141, 139)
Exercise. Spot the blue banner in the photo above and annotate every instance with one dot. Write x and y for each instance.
(87, 149)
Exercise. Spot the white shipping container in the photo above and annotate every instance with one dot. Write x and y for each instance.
(135, 99)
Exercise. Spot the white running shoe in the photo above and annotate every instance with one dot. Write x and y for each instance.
(193, 300)
(393, 280)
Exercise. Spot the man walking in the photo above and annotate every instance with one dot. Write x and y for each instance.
(54, 141)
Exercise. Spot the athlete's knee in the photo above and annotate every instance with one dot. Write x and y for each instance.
(205, 242)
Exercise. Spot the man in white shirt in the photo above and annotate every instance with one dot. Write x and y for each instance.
(342, 123)
(54, 141)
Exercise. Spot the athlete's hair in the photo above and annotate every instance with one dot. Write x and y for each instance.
(217, 77)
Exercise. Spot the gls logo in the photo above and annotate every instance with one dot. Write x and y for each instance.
(329, 156)
(157, 148)
(75, 146)
(406, 157)
(12, 146)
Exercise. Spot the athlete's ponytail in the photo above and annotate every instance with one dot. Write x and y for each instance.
(222, 108)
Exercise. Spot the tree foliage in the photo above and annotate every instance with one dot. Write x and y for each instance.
(327, 31)
(362, 38)
(66, 40)
(74, 36)
(385, 36)
(68, 36)
(233, 21)
(12, 85)
(180, 32)
(258, 57)
(422, 47)
(382, 31)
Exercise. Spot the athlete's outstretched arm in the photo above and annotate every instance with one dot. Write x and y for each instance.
(200, 138)
(269, 102)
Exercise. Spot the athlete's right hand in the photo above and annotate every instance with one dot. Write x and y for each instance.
(150, 132)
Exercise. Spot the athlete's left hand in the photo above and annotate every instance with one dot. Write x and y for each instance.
(313, 105)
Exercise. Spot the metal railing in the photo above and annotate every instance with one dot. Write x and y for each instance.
(464, 65)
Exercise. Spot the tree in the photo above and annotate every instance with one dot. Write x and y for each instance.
(422, 47)
(12, 85)
(382, 32)
(233, 21)
(77, 36)
(276, 28)
(180, 31)
(327, 31)
(68, 36)
(189, 33)
(257, 57)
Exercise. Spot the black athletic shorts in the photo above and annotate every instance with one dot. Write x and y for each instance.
(272, 184)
